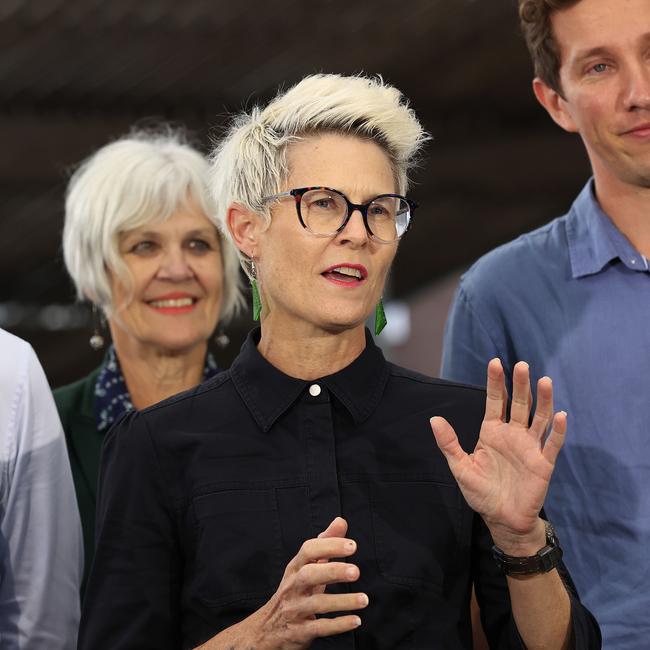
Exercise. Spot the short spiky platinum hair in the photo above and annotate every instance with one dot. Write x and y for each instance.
(141, 178)
(250, 162)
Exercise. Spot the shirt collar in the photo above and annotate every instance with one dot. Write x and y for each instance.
(594, 240)
(268, 392)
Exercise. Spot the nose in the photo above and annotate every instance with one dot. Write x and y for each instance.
(638, 87)
(355, 230)
(175, 265)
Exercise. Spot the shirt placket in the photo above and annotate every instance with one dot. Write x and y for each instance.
(322, 477)
(323, 483)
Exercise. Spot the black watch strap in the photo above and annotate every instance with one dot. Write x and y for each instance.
(543, 561)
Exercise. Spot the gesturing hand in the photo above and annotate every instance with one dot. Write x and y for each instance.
(506, 478)
(289, 620)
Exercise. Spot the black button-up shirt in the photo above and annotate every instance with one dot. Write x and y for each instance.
(206, 497)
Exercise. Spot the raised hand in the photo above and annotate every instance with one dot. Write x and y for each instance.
(506, 478)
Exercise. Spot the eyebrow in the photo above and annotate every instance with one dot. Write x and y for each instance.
(199, 232)
(585, 55)
(203, 232)
(593, 52)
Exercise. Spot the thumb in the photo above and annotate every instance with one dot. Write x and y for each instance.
(447, 440)
(338, 528)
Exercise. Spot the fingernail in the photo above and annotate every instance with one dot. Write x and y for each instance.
(363, 600)
(566, 415)
(357, 621)
(351, 572)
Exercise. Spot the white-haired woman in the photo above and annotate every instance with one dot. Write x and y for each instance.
(141, 243)
(299, 499)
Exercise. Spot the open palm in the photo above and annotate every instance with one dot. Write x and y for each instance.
(506, 477)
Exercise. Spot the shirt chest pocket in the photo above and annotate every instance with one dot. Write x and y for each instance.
(417, 532)
(238, 546)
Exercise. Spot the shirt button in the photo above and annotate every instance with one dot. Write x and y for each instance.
(314, 390)
(633, 261)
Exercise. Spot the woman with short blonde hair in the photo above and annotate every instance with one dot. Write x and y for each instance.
(319, 512)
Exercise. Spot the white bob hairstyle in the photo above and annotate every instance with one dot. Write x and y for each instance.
(141, 178)
(250, 162)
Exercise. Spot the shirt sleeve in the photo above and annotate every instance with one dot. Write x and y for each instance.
(133, 595)
(494, 600)
(42, 554)
(467, 345)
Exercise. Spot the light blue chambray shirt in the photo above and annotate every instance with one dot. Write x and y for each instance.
(573, 300)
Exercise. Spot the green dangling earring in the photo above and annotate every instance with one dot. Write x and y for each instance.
(380, 317)
(257, 301)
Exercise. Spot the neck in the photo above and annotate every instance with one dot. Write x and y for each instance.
(628, 206)
(305, 352)
(153, 374)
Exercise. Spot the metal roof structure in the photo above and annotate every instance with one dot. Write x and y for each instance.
(75, 74)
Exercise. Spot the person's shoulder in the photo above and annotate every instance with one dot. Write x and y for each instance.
(16, 355)
(157, 426)
(434, 390)
(26, 396)
(521, 256)
(21, 373)
(75, 396)
(463, 405)
(186, 409)
(204, 393)
(10, 343)
(547, 240)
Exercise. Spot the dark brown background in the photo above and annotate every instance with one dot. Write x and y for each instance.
(75, 74)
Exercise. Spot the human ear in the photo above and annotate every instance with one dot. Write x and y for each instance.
(244, 226)
(556, 105)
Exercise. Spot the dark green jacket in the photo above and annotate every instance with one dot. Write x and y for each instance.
(76, 405)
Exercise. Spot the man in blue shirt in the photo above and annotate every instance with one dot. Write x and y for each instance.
(573, 299)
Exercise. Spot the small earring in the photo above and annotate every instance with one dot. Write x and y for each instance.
(97, 340)
(380, 317)
(257, 301)
(222, 339)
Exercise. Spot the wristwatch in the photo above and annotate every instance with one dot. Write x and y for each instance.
(543, 561)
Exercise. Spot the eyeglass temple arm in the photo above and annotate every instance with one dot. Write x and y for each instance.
(273, 197)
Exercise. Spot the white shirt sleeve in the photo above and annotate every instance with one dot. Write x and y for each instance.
(41, 552)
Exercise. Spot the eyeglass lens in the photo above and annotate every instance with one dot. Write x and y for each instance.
(324, 212)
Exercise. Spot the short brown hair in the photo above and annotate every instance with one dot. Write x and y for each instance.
(535, 19)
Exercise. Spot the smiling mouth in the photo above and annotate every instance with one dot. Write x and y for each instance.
(172, 303)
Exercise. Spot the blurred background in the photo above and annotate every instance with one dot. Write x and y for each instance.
(75, 74)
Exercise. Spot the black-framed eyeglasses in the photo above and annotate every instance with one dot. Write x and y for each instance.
(325, 212)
